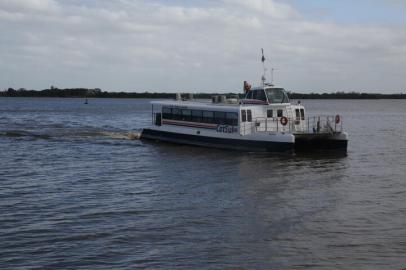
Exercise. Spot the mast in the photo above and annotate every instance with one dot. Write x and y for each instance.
(263, 79)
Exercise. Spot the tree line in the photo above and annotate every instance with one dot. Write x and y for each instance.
(97, 92)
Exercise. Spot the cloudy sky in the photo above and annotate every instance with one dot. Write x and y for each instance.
(212, 46)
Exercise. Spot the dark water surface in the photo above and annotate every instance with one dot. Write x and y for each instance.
(76, 192)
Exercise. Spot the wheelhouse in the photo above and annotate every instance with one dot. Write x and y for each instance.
(266, 95)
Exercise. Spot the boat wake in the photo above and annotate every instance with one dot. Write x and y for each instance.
(131, 135)
(70, 133)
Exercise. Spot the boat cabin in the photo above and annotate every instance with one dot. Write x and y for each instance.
(263, 109)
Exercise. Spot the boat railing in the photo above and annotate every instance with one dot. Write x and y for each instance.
(312, 125)
(323, 124)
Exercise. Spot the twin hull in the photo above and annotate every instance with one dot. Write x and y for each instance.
(259, 141)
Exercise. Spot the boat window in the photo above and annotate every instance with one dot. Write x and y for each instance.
(269, 113)
(158, 119)
(243, 116)
(208, 117)
(176, 114)
(280, 113)
(232, 119)
(297, 114)
(186, 115)
(197, 116)
(166, 113)
(260, 95)
(277, 95)
(219, 117)
(166, 110)
(302, 114)
(249, 116)
(222, 118)
(254, 94)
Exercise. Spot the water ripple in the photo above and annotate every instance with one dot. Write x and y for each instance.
(77, 191)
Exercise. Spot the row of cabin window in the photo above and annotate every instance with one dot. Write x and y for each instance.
(210, 117)
(269, 113)
(246, 115)
(279, 113)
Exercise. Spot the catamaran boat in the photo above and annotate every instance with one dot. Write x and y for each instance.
(263, 120)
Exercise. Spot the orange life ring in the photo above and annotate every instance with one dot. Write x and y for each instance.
(338, 119)
(284, 121)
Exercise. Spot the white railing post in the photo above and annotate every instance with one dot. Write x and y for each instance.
(266, 124)
(277, 125)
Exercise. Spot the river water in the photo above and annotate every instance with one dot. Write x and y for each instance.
(78, 192)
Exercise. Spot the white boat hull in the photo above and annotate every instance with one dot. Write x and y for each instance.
(254, 142)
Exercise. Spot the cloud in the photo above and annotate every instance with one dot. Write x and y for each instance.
(28, 5)
(151, 45)
(267, 7)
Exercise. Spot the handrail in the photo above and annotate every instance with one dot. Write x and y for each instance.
(322, 124)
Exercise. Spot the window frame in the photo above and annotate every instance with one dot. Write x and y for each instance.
(176, 114)
(297, 113)
(197, 116)
(269, 113)
(186, 116)
(232, 118)
(219, 117)
(243, 116)
(249, 116)
(206, 118)
(263, 97)
(302, 114)
(168, 114)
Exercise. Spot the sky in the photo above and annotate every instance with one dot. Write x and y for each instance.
(203, 46)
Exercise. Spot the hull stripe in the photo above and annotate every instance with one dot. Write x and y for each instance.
(189, 124)
(234, 144)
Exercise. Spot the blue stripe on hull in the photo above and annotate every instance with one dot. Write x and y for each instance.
(235, 144)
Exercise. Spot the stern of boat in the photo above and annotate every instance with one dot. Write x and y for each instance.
(314, 141)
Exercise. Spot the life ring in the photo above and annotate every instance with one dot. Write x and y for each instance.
(284, 121)
(338, 119)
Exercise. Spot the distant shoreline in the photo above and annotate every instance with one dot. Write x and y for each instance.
(97, 93)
